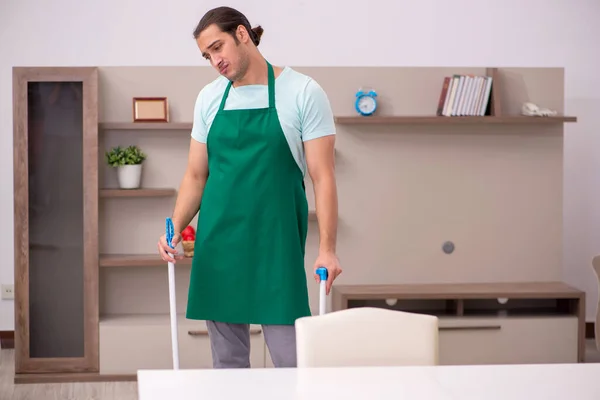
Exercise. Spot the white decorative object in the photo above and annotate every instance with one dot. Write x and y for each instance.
(532, 110)
(129, 176)
(391, 302)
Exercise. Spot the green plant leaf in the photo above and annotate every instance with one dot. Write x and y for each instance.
(118, 156)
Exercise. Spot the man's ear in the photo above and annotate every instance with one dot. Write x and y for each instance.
(242, 34)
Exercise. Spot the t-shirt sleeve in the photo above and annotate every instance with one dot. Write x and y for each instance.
(316, 115)
(199, 126)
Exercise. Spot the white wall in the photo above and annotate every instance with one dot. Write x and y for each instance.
(561, 33)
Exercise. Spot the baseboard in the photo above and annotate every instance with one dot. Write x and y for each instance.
(72, 377)
(7, 339)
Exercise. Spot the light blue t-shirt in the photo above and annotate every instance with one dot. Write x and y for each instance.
(302, 106)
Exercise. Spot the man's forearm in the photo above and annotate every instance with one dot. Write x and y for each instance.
(327, 212)
(188, 201)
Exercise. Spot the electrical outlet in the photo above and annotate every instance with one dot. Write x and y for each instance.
(8, 292)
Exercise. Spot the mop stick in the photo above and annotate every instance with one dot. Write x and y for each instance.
(172, 299)
(322, 272)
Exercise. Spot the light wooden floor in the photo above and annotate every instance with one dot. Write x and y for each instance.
(59, 391)
(103, 390)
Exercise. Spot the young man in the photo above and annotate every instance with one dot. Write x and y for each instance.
(258, 130)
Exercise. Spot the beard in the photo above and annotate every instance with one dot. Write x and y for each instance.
(242, 67)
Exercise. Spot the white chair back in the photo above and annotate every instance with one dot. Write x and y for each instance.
(366, 336)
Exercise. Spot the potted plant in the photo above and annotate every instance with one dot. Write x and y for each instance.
(128, 162)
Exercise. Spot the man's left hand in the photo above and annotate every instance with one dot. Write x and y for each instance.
(332, 264)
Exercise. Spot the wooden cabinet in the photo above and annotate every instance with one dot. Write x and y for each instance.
(91, 291)
(132, 342)
(488, 323)
(56, 219)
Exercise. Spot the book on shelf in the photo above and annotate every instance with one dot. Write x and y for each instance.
(464, 95)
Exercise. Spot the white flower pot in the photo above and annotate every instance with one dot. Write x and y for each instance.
(129, 176)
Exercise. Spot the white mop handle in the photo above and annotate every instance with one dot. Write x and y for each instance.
(172, 298)
(173, 312)
(322, 272)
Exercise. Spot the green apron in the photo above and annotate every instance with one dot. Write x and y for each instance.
(248, 264)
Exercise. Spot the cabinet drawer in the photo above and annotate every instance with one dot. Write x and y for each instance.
(508, 340)
(130, 343)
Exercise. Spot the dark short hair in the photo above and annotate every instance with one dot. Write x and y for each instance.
(228, 19)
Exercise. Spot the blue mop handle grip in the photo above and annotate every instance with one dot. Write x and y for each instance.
(322, 272)
(170, 232)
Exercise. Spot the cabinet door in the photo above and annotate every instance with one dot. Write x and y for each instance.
(55, 219)
(509, 340)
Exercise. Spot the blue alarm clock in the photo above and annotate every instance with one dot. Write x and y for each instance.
(366, 102)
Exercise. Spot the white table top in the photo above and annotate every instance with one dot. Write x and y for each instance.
(490, 382)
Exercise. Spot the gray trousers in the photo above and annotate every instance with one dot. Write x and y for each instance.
(230, 344)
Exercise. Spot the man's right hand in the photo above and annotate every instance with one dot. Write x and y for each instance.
(167, 253)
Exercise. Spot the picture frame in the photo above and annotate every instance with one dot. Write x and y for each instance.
(150, 109)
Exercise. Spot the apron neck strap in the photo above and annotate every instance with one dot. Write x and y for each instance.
(271, 81)
(271, 86)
